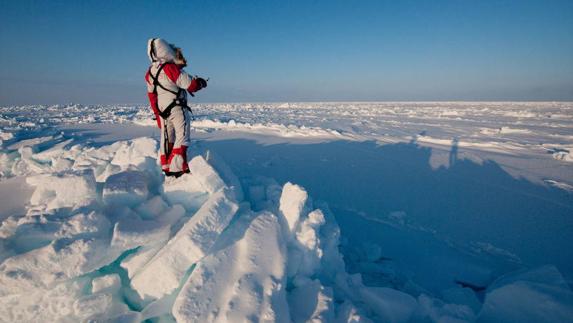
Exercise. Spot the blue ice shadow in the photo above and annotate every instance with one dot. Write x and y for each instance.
(468, 214)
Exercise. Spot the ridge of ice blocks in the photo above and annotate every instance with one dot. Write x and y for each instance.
(57, 262)
(66, 302)
(164, 271)
(292, 203)
(64, 155)
(71, 189)
(245, 281)
(104, 237)
(190, 191)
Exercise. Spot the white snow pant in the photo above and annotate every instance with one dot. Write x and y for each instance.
(175, 140)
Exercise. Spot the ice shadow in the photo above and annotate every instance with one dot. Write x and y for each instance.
(468, 214)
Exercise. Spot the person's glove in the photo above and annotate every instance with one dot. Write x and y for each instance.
(197, 84)
(202, 82)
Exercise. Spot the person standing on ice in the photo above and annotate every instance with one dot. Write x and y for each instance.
(167, 87)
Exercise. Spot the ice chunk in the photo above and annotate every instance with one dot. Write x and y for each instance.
(225, 172)
(152, 208)
(306, 252)
(55, 151)
(61, 164)
(55, 191)
(244, 282)
(462, 296)
(8, 227)
(6, 135)
(136, 261)
(563, 156)
(292, 202)
(389, 304)
(126, 188)
(59, 261)
(159, 308)
(135, 152)
(91, 305)
(130, 233)
(102, 172)
(33, 142)
(311, 302)
(171, 216)
(539, 295)
(6, 161)
(439, 311)
(83, 224)
(186, 191)
(191, 190)
(165, 271)
(348, 313)
(108, 283)
(308, 234)
(43, 306)
(207, 177)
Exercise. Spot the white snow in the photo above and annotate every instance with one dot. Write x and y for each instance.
(293, 199)
(534, 296)
(563, 155)
(240, 283)
(389, 304)
(131, 232)
(311, 302)
(302, 212)
(270, 129)
(56, 191)
(126, 188)
(43, 267)
(190, 191)
(164, 271)
(110, 283)
(83, 224)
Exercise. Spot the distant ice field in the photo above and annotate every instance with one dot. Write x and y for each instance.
(539, 133)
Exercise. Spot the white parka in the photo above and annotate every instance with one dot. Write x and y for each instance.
(171, 77)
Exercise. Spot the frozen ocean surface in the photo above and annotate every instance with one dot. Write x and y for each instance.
(334, 212)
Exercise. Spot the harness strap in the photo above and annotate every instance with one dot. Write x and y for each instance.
(176, 102)
(156, 81)
(152, 50)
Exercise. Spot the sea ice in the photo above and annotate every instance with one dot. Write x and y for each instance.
(71, 189)
(538, 295)
(245, 281)
(191, 243)
(191, 191)
(43, 267)
(311, 302)
(292, 203)
(389, 304)
(108, 283)
(126, 188)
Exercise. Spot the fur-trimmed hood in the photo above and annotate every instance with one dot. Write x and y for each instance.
(161, 51)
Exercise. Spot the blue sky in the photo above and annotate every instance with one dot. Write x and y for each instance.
(94, 52)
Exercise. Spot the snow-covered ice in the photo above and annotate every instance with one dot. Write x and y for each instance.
(294, 212)
(245, 281)
(127, 188)
(163, 273)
